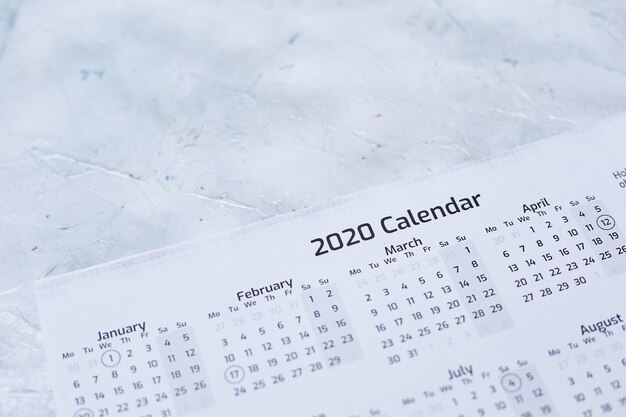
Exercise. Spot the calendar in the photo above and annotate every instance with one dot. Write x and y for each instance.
(495, 288)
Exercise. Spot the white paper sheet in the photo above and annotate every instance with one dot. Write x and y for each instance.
(495, 288)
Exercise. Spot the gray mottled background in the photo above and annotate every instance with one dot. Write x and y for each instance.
(127, 125)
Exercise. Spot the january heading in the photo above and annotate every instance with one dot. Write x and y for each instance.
(393, 223)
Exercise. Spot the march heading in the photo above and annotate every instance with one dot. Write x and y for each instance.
(393, 223)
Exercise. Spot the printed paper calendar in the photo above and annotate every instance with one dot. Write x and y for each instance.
(493, 289)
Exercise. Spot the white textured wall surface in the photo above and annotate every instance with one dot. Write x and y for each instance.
(128, 125)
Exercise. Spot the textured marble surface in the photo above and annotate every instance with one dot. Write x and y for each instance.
(129, 125)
